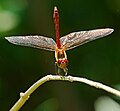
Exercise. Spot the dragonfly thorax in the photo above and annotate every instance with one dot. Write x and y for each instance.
(60, 54)
(61, 58)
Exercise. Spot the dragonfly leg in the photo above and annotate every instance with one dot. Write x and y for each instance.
(59, 71)
(56, 68)
(65, 70)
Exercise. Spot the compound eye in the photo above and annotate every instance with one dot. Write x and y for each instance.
(65, 60)
(60, 61)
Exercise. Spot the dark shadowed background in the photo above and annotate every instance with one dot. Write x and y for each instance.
(99, 60)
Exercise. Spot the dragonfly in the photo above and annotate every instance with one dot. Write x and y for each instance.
(62, 44)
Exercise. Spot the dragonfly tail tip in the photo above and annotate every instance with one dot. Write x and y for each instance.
(55, 8)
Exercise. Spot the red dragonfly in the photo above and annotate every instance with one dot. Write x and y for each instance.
(62, 44)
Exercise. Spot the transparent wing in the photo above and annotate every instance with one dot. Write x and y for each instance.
(75, 39)
(33, 41)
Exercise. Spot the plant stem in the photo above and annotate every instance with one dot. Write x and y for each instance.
(25, 96)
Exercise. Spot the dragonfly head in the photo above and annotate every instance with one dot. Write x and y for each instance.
(62, 63)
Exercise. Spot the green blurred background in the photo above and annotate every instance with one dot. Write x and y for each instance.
(20, 66)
